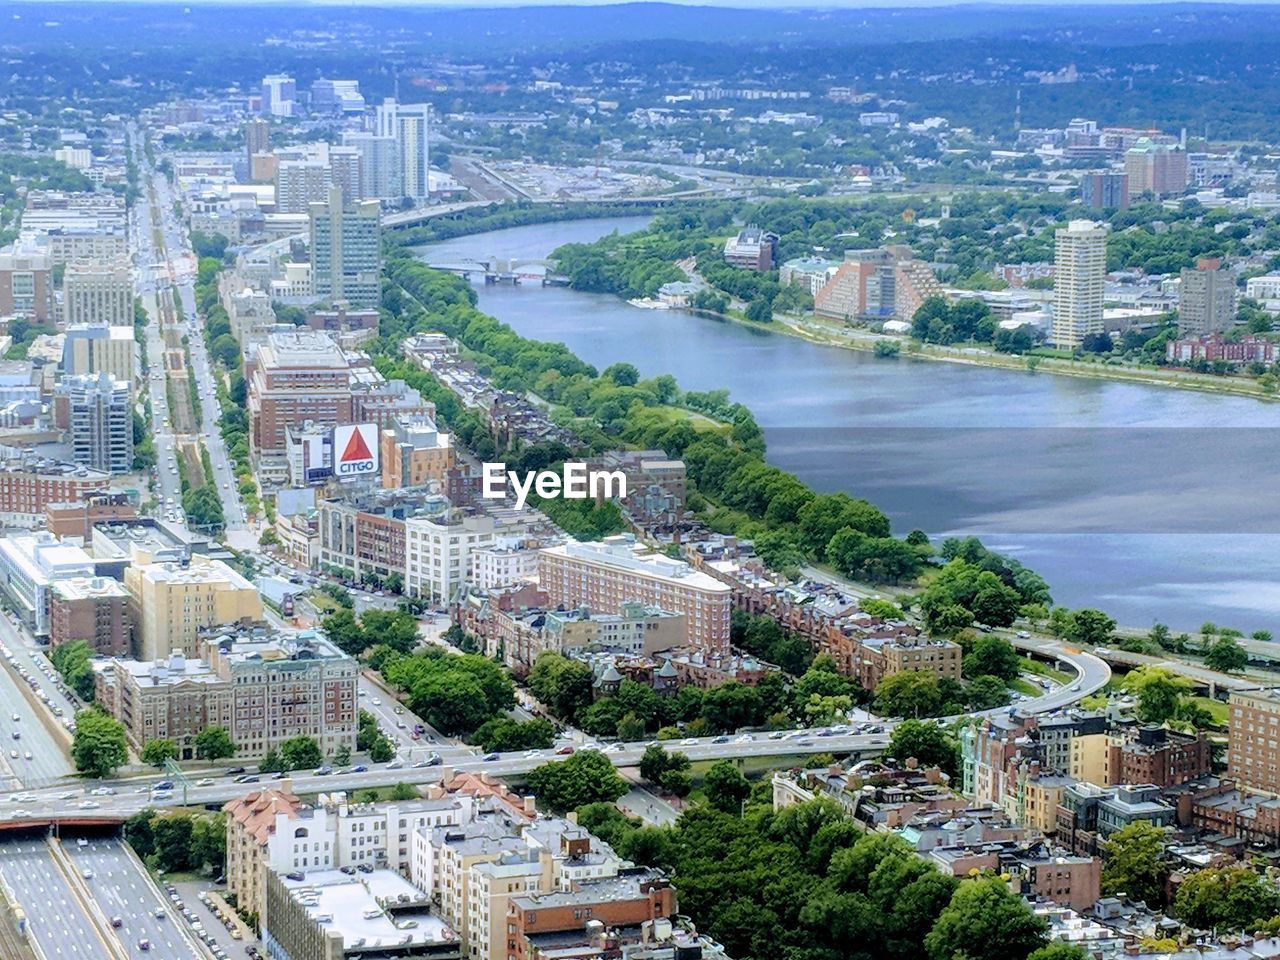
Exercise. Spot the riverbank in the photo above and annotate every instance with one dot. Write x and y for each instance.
(831, 334)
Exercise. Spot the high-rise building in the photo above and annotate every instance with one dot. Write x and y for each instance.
(98, 293)
(379, 165)
(300, 183)
(409, 124)
(94, 610)
(1206, 298)
(1105, 191)
(414, 452)
(97, 348)
(98, 417)
(345, 173)
(346, 250)
(279, 92)
(257, 140)
(1080, 270)
(1159, 169)
(1253, 759)
(26, 282)
(607, 575)
(172, 600)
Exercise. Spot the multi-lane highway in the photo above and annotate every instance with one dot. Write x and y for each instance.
(58, 917)
(124, 892)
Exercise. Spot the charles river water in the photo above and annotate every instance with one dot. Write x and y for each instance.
(1149, 502)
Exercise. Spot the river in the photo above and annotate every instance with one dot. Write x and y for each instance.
(1152, 503)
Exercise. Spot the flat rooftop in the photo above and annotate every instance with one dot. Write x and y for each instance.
(354, 906)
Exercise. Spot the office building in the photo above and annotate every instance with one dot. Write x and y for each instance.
(346, 251)
(29, 566)
(438, 553)
(364, 535)
(1080, 270)
(1206, 298)
(98, 293)
(751, 249)
(300, 183)
(409, 124)
(262, 688)
(30, 484)
(94, 610)
(26, 282)
(97, 415)
(414, 452)
(96, 348)
(257, 140)
(292, 378)
(380, 177)
(605, 576)
(1156, 169)
(1105, 191)
(172, 600)
(279, 93)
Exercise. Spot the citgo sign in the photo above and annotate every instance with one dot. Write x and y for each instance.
(355, 451)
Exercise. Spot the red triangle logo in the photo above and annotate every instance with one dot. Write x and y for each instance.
(357, 449)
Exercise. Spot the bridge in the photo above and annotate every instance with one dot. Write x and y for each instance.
(497, 270)
(411, 218)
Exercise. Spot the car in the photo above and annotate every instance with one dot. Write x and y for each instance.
(1023, 635)
(106, 791)
(160, 913)
(565, 750)
(17, 734)
(806, 742)
(399, 710)
(434, 760)
(778, 735)
(377, 702)
(16, 718)
(87, 873)
(395, 764)
(13, 754)
(26, 755)
(232, 771)
(89, 804)
(205, 782)
(323, 771)
(494, 756)
(117, 922)
(163, 785)
(359, 768)
(690, 741)
(144, 944)
(721, 739)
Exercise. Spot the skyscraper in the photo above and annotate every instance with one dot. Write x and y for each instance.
(379, 165)
(98, 293)
(1159, 169)
(1206, 298)
(346, 255)
(344, 173)
(409, 124)
(300, 183)
(1080, 269)
(1102, 191)
(257, 139)
(96, 413)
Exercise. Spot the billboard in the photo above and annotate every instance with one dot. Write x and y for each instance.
(355, 451)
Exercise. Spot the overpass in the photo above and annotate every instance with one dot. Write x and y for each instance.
(411, 218)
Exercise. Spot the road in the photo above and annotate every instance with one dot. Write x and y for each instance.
(48, 762)
(58, 921)
(123, 890)
(654, 811)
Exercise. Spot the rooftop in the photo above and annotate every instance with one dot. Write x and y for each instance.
(369, 910)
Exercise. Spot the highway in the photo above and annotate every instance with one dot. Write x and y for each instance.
(122, 889)
(58, 920)
(47, 762)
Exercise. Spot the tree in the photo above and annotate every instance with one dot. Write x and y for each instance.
(341, 756)
(271, 762)
(928, 743)
(394, 628)
(404, 791)
(655, 761)
(993, 656)
(382, 749)
(1133, 864)
(505, 735)
(1159, 693)
(725, 787)
(1226, 898)
(562, 684)
(985, 921)
(1090, 626)
(911, 693)
(98, 746)
(760, 310)
(730, 706)
(880, 608)
(157, 751)
(987, 692)
(1060, 951)
(586, 777)
(623, 374)
(342, 630)
(1226, 655)
(630, 728)
(214, 743)
(300, 753)
(677, 782)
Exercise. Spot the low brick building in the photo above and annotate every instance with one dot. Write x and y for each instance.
(630, 899)
(92, 609)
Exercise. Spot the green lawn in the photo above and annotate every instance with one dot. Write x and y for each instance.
(1217, 709)
(1026, 687)
(1044, 670)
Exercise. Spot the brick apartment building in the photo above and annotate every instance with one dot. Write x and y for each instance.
(628, 900)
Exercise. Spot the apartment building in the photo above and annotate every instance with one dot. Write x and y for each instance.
(380, 177)
(26, 282)
(1080, 269)
(98, 293)
(77, 517)
(364, 535)
(409, 125)
(171, 601)
(415, 452)
(1158, 169)
(96, 412)
(300, 183)
(606, 575)
(99, 349)
(635, 897)
(438, 553)
(92, 609)
(263, 688)
(1206, 298)
(1167, 758)
(1105, 191)
(257, 140)
(1253, 759)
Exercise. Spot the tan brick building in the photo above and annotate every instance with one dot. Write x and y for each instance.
(1253, 758)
